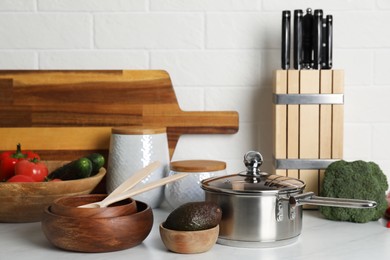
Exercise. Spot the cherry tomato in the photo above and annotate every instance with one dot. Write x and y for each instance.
(34, 168)
(20, 178)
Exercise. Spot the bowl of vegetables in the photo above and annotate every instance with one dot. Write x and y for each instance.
(34, 183)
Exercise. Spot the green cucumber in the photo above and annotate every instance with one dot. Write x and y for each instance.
(77, 169)
(97, 162)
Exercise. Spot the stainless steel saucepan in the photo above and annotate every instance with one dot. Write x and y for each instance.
(261, 209)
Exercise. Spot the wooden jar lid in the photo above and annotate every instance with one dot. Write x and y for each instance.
(138, 130)
(197, 166)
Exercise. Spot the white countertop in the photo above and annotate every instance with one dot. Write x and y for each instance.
(320, 239)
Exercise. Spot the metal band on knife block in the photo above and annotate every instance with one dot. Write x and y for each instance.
(303, 164)
(318, 99)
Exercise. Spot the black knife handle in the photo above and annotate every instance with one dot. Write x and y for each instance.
(286, 39)
(298, 14)
(317, 40)
(307, 39)
(324, 58)
(329, 54)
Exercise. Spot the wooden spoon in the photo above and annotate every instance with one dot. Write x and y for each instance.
(134, 179)
(130, 193)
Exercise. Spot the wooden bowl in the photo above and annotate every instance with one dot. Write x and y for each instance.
(25, 202)
(189, 242)
(68, 206)
(96, 235)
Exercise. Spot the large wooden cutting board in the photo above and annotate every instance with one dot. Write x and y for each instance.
(66, 114)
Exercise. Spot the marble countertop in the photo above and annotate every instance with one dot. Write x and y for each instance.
(320, 239)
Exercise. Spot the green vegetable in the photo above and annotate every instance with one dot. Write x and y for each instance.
(97, 162)
(355, 180)
(194, 216)
(77, 169)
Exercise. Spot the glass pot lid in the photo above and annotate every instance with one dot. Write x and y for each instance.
(253, 181)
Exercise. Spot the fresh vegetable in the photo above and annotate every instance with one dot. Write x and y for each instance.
(388, 224)
(77, 169)
(355, 180)
(97, 162)
(387, 213)
(20, 178)
(8, 160)
(194, 216)
(33, 168)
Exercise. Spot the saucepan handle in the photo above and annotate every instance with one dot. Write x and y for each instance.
(310, 198)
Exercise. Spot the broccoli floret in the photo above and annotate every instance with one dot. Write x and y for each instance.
(354, 180)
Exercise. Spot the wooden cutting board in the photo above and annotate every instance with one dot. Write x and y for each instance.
(66, 114)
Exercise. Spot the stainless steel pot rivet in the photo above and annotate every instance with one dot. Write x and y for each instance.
(279, 211)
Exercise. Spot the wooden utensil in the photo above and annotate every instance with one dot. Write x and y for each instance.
(130, 193)
(134, 179)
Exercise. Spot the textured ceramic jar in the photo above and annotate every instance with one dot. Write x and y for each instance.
(189, 188)
(131, 149)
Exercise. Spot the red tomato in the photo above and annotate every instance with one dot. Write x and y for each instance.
(387, 213)
(34, 168)
(8, 160)
(20, 178)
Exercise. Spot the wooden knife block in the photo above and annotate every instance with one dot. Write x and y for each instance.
(308, 123)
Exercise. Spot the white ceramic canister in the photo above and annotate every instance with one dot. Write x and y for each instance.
(131, 149)
(189, 188)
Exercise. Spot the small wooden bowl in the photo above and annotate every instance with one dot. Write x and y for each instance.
(96, 235)
(68, 206)
(25, 201)
(189, 242)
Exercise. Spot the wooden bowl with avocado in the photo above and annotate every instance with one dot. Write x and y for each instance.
(25, 201)
(189, 242)
(191, 228)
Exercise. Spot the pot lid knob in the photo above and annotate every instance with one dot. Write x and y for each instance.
(253, 160)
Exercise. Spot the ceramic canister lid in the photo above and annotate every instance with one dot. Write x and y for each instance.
(197, 166)
(138, 130)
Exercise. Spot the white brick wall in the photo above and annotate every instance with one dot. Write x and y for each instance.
(148, 30)
(46, 31)
(221, 55)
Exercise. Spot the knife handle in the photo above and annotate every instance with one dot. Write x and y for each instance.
(324, 58)
(317, 41)
(329, 35)
(298, 14)
(286, 39)
(307, 39)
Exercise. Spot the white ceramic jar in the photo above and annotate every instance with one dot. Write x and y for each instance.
(131, 149)
(189, 188)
